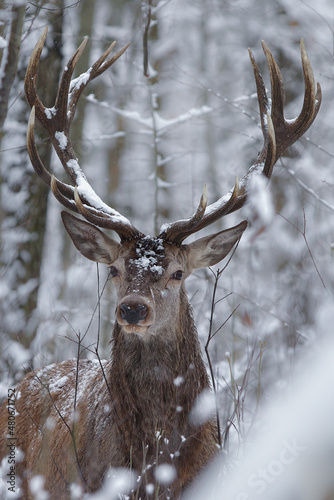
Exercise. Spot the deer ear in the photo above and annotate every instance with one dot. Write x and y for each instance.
(213, 248)
(90, 241)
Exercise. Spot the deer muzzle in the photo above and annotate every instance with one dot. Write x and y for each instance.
(135, 315)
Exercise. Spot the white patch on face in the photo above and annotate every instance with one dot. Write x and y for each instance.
(135, 329)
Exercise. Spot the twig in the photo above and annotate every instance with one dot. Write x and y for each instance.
(211, 335)
(99, 306)
(213, 303)
(145, 39)
(96, 308)
(227, 319)
(307, 189)
(77, 375)
(103, 373)
(262, 347)
(303, 233)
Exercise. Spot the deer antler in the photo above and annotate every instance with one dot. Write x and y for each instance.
(57, 121)
(278, 134)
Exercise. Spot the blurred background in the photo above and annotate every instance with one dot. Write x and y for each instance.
(148, 144)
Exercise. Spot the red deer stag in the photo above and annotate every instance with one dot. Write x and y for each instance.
(133, 410)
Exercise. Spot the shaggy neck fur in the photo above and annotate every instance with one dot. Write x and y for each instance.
(156, 381)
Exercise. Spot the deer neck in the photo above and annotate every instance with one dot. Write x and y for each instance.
(159, 377)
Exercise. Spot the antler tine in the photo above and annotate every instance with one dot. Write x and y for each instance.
(261, 93)
(178, 231)
(64, 193)
(278, 134)
(100, 66)
(186, 225)
(57, 121)
(289, 131)
(64, 113)
(31, 77)
(66, 201)
(65, 190)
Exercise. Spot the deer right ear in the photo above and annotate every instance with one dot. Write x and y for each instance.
(211, 249)
(90, 241)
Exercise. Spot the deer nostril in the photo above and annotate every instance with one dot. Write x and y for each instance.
(142, 312)
(132, 315)
(124, 310)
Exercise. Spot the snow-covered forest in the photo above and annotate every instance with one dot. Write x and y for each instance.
(177, 111)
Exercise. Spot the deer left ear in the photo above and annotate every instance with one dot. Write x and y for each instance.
(212, 249)
(90, 241)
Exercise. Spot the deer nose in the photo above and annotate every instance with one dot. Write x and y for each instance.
(133, 314)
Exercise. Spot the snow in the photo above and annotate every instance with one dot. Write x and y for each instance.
(155, 269)
(260, 208)
(36, 486)
(118, 481)
(82, 79)
(178, 381)
(3, 43)
(18, 352)
(149, 253)
(165, 474)
(58, 384)
(217, 204)
(62, 139)
(203, 409)
(147, 263)
(75, 491)
(150, 489)
(289, 455)
(158, 123)
(50, 112)
(85, 189)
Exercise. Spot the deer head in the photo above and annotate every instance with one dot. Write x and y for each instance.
(147, 269)
(149, 272)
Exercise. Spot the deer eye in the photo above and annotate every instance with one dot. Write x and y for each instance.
(113, 272)
(177, 275)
